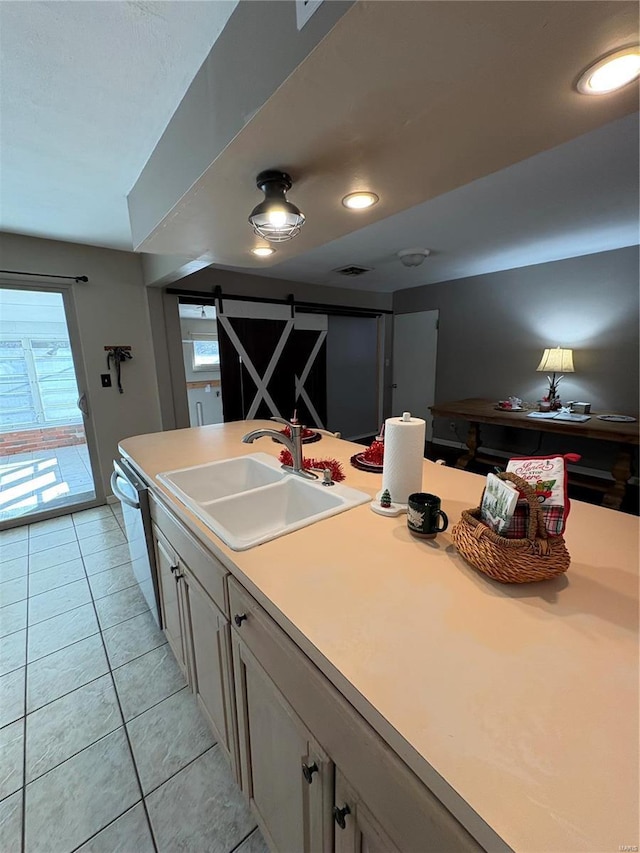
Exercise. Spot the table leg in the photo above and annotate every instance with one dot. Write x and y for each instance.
(473, 441)
(621, 473)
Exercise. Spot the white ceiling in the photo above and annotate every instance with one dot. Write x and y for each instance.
(195, 312)
(87, 90)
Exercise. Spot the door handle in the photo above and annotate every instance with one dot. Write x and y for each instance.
(83, 405)
(125, 499)
(395, 385)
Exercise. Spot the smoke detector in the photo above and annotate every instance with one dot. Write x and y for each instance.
(413, 257)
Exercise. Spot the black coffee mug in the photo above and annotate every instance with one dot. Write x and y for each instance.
(423, 514)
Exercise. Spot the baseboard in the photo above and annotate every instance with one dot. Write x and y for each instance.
(502, 454)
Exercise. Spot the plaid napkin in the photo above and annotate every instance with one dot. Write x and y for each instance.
(519, 525)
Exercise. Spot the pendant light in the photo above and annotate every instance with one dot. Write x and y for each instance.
(275, 219)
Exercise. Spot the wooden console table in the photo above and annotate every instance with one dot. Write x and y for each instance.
(477, 412)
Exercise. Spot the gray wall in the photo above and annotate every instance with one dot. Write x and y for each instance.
(493, 329)
(111, 309)
(352, 376)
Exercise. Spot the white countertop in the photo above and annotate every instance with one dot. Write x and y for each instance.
(516, 704)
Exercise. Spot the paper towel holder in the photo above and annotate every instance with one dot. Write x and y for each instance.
(395, 508)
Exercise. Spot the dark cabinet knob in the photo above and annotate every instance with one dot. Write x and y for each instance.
(308, 770)
(340, 814)
(174, 569)
(239, 618)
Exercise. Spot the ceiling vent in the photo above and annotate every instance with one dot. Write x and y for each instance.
(353, 271)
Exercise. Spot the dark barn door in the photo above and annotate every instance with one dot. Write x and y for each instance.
(272, 363)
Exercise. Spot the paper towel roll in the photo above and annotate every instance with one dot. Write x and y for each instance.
(403, 455)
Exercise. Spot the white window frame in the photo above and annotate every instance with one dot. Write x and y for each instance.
(203, 368)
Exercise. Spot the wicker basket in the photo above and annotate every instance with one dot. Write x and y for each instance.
(536, 558)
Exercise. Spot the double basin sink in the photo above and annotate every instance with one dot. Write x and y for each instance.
(250, 499)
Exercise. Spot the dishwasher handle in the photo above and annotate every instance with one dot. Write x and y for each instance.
(125, 499)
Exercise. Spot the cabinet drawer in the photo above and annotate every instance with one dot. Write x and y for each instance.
(209, 571)
(409, 813)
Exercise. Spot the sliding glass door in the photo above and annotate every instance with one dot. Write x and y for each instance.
(45, 459)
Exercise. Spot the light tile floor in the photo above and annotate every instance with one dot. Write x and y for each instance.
(103, 748)
(44, 479)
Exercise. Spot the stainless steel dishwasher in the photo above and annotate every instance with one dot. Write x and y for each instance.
(133, 494)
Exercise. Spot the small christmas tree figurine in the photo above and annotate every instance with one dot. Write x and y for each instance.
(385, 499)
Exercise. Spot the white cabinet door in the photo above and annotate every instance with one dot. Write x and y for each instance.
(169, 572)
(210, 653)
(356, 830)
(286, 775)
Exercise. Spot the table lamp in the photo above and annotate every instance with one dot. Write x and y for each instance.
(556, 360)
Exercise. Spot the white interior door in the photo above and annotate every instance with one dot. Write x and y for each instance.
(415, 346)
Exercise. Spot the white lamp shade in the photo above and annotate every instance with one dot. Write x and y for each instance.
(556, 360)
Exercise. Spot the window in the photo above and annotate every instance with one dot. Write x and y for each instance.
(206, 355)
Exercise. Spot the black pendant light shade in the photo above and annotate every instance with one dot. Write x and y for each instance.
(275, 219)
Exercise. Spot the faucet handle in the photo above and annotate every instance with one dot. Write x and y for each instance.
(295, 428)
(327, 479)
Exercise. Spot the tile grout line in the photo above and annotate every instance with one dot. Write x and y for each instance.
(73, 755)
(155, 704)
(69, 692)
(124, 725)
(242, 840)
(175, 773)
(91, 681)
(54, 588)
(106, 734)
(75, 642)
(110, 672)
(55, 616)
(107, 825)
(67, 583)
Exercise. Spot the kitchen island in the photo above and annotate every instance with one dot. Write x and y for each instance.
(516, 706)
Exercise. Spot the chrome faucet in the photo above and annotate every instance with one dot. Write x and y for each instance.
(293, 445)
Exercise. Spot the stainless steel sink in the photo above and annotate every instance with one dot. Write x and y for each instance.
(251, 500)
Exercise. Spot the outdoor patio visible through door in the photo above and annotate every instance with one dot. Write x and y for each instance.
(44, 459)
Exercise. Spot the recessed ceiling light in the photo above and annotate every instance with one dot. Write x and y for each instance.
(360, 201)
(262, 251)
(611, 72)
